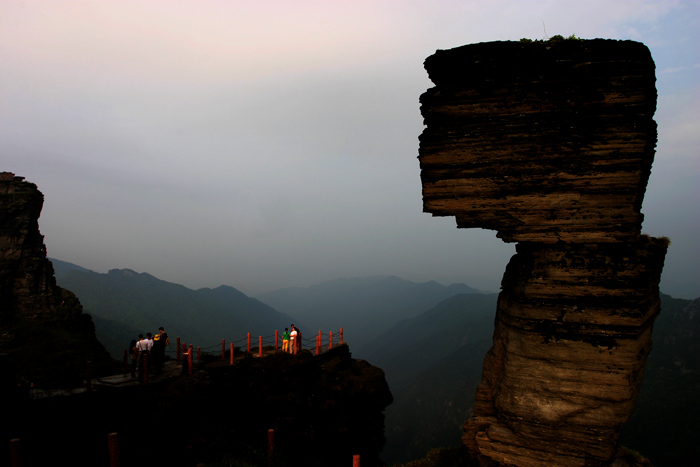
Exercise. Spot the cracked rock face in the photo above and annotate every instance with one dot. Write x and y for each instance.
(551, 145)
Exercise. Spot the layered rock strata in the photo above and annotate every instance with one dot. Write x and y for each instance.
(551, 145)
(541, 142)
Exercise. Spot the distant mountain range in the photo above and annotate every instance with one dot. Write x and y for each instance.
(364, 307)
(665, 424)
(412, 346)
(124, 303)
(433, 365)
(429, 339)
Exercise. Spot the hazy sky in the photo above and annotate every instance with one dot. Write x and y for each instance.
(268, 144)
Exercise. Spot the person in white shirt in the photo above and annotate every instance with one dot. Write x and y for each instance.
(293, 340)
(142, 345)
(143, 348)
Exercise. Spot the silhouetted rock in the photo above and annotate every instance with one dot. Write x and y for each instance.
(324, 409)
(42, 328)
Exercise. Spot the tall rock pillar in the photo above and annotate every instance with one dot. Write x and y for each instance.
(551, 144)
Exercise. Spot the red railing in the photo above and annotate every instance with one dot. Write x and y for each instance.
(185, 353)
(272, 341)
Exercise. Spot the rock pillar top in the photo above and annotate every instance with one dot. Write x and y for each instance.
(540, 141)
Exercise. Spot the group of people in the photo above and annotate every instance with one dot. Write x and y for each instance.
(291, 341)
(149, 353)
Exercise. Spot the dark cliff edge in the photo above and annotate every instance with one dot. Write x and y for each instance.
(44, 336)
(324, 409)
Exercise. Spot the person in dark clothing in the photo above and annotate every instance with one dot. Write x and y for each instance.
(160, 341)
(157, 355)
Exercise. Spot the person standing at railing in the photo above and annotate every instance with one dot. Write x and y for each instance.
(143, 348)
(293, 340)
(160, 340)
(149, 340)
(157, 351)
(298, 340)
(285, 340)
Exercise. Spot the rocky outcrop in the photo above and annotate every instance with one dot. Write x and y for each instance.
(551, 145)
(27, 284)
(42, 327)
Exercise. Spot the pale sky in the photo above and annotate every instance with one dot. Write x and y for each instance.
(269, 144)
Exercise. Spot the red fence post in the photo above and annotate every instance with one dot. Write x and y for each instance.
(113, 443)
(177, 346)
(330, 340)
(276, 338)
(88, 376)
(259, 346)
(199, 353)
(189, 363)
(356, 460)
(223, 349)
(270, 446)
(15, 453)
(341, 335)
(248, 342)
(184, 358)
(318, 345)
(231, 353)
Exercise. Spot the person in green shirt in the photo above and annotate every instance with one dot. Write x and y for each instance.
(285, 340)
